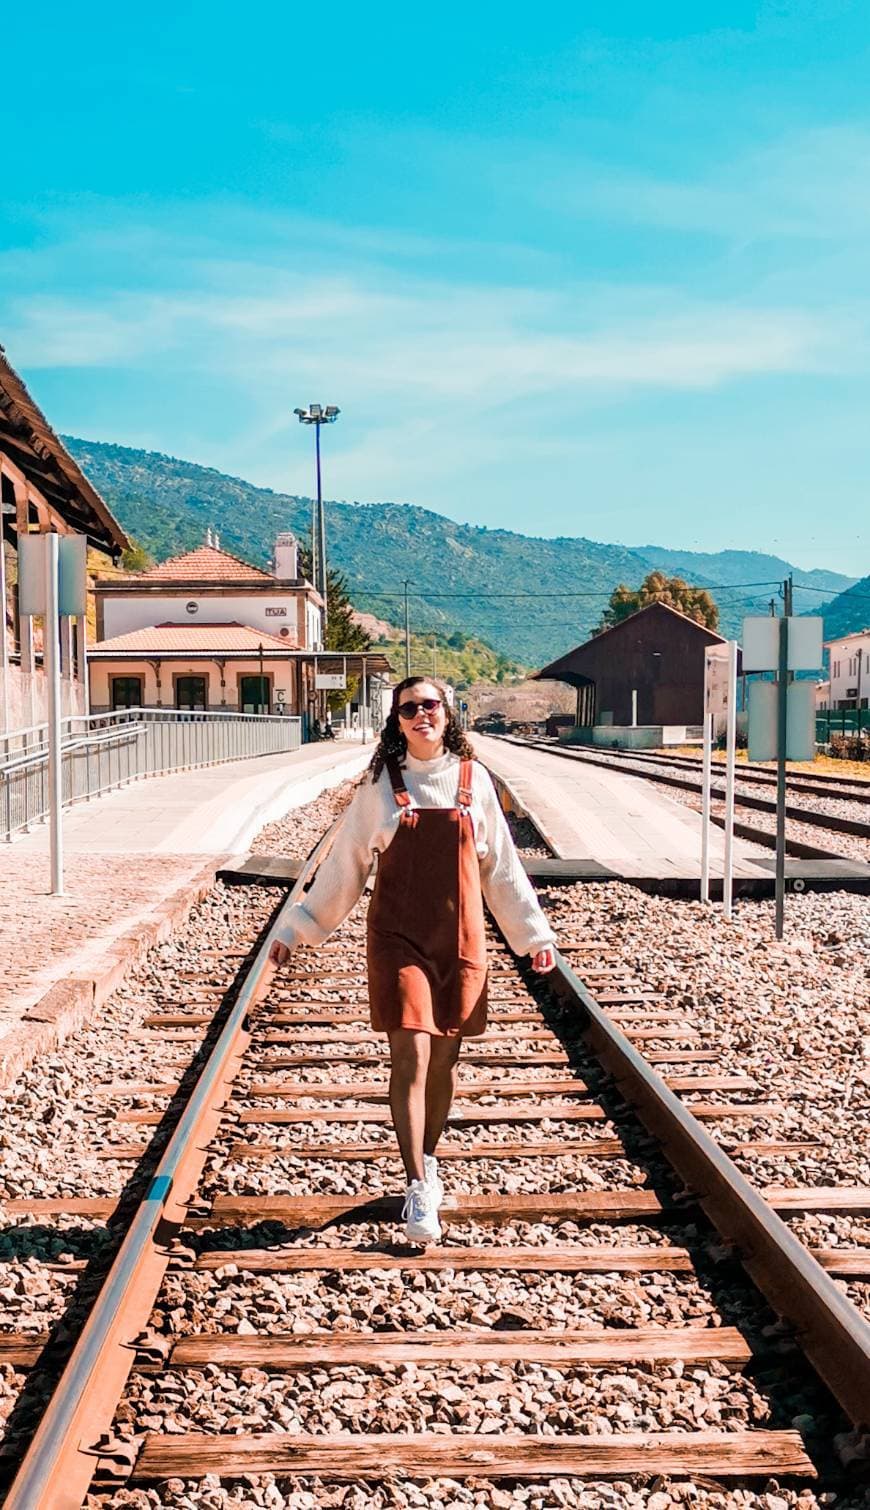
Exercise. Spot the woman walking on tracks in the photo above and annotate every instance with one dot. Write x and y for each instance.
(430, 814)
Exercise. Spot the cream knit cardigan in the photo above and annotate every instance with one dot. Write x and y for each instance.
(368, 828)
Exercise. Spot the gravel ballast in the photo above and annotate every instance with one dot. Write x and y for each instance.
(756, 1003)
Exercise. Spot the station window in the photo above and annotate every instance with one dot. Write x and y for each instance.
(190, 692)
(255, 694)
(126, 692)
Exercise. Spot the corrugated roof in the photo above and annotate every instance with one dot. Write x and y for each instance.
(199, 639)
(44, 459)
(208, 563)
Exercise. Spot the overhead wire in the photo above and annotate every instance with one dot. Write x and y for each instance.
(602, 592)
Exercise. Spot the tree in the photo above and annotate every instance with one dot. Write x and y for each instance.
(342, 630)
(695, 602)
(136, 558)
(343, 634)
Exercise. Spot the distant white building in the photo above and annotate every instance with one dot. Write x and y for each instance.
(849, 685)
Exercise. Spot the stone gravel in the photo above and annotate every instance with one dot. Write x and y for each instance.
(476, 1494)
(792, 1014)
(370, 1301)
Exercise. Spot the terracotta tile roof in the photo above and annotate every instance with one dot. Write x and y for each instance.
(206, 564)
(200, 639)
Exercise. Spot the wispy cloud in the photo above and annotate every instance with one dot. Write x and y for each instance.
(805, 185)
(439, 378)
(493, 345)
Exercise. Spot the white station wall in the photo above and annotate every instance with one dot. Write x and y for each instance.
(268, 613)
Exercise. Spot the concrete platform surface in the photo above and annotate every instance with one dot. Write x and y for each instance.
(137, 855)
(628, 828)
(213, 811)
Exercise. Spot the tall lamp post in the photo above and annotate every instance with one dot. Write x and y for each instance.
(317, 415)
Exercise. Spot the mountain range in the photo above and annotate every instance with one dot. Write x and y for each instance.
(530, 598)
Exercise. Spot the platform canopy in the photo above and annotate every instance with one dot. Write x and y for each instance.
(34, 457)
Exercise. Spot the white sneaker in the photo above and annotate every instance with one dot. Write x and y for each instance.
(432, 1178)
(420, 1213)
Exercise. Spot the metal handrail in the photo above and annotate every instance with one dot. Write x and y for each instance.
(108, 750)
(80, 742)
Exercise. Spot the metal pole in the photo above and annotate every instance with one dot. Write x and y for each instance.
(705, 788)
(407, 634)
(3, 634)
(781, 734)
(730, 750)
(51, 651)
(84, 671)
(364, 710)
(321, 532)
(634, 707)
(434, 656)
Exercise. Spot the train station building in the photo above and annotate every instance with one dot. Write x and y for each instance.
(42, 489)
(208, 631)
(645, 673)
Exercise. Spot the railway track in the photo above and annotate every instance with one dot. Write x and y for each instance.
(629, 765)
(593, 1235)
(849, 788)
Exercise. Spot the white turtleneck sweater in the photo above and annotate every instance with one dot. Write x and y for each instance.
(368, 828)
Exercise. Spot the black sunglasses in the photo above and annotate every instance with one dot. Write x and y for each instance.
(428, 704)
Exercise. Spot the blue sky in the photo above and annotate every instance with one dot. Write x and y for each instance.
(596, 269)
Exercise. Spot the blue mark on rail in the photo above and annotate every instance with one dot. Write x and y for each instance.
(159, 1188)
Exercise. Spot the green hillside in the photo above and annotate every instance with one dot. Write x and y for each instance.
(167, 505)
(849, 612)
(457, 658)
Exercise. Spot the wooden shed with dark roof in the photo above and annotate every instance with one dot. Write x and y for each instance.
(657, 653)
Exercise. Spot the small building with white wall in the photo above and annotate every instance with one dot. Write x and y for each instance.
(207, 631)
(849, 683)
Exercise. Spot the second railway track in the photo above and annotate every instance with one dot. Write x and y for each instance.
(586, 1317)
(651, 768)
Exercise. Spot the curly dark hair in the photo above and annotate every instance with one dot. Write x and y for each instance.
(393, 743)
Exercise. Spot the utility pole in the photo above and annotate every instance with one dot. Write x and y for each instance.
(407, 632)
(434, 656)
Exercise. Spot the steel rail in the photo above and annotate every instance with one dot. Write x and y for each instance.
(817, 785)
(73, 1436)
(834, 825)
(831, 1332)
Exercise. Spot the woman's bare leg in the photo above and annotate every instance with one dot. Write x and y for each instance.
(440, 1088)
(409, 1062)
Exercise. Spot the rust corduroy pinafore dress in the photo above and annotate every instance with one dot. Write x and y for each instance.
(426, 942)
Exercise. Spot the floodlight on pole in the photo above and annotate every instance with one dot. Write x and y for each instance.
(317, 415)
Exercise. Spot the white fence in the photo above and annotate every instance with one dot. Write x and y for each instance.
(107, 750)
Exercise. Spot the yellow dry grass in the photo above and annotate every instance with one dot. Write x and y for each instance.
(823, 765)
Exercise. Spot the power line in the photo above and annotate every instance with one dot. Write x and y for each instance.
(604, 592)
(847, 592)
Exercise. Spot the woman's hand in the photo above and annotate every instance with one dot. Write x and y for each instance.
(279, 953)
(544, 961)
